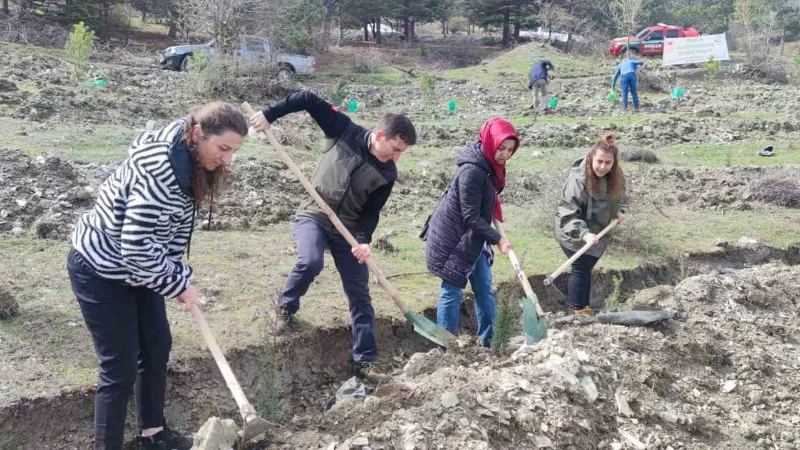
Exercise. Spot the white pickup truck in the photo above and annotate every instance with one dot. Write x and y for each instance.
(251, 49)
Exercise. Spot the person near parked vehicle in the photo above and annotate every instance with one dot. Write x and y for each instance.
(592, 196)
(626, 71)
(355, 177)
(126, 259)
(460, 234)
(539, 78)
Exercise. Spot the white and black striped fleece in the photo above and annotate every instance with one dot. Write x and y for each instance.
(142, 221)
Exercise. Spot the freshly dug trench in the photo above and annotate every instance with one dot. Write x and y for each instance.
(282, 379)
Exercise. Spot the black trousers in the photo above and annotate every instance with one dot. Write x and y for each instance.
(132, 340)
(580, 279)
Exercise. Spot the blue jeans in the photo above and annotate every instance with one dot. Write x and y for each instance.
(450, 296)
(580, 279)
(312, 238)
(629, 84)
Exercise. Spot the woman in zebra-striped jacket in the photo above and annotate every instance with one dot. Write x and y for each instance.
(126, 259)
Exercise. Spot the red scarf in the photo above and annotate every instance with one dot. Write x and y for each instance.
(493, 133)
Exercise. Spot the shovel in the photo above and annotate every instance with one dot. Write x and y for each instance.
(254, 425)
(553, 294)
(534, 323)
(422, 325)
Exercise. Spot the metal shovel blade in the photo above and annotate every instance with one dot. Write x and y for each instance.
(429, 330)
(252, 428)
(554, 295)
(533, 326)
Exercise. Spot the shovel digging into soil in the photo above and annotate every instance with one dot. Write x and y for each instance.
(253, 425)
(422, 325)
(534, 323)
(553, 294)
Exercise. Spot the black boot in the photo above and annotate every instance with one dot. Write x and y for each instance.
(165, 439)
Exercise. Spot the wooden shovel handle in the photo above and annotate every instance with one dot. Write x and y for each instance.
(268, 137)
(247, 410)
(523, 279)
(578, 254)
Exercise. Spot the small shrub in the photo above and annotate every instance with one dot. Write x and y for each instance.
(453, 56)
(427, 86)
(210, 78)
(340, 93)
(682, 268)
(796, 61)
(503, 325)
(369, 61)
(640, 155)
(712, 67)
(78, 48)
(781, 191)
(635, 237)
(612, 302)
(8, 305)
(767, 70)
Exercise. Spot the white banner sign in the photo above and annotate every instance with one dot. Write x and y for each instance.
(693, 50)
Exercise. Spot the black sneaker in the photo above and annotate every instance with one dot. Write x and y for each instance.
(369, 371)
(165, 439)
(280, 323)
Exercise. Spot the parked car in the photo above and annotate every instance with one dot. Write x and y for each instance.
(251, 49)
(650, 41)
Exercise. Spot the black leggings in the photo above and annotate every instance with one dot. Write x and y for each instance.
(132, 340)
(580, 279)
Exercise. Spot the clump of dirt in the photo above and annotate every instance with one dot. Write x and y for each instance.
(8, 304)
(781, 190)
(704, 188)
(44, 195)
(260, 193)
(723, 375)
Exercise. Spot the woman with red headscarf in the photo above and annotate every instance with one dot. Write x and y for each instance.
(459, 234)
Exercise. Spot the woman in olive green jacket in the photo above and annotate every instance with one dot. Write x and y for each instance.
(591, 198)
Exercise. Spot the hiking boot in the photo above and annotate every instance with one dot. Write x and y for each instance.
(584, 312)
(165, 439)
(368, 371)
(281, 322)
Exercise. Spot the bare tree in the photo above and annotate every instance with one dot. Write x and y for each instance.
(224, 20)
(626, 15)
(758, 21)
(552, 15)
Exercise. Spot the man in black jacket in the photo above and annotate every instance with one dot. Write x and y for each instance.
(355, 177)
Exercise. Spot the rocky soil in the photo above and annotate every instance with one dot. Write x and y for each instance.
(722, 375)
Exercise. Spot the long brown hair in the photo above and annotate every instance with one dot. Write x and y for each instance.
(214, 118)
(616, 179)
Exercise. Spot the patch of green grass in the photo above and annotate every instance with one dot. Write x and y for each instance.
(516, 64)
(385, 76)
(98, 143)
(739, 153)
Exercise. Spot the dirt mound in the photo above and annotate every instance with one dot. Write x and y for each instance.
(8, 304)
(44, 195)
(724, 375)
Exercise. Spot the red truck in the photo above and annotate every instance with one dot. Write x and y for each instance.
(650, 41)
